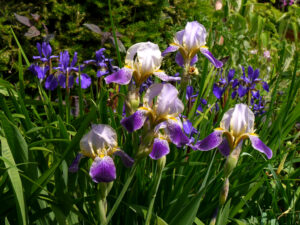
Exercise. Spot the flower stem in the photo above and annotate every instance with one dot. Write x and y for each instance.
(101, 208)
(161, 164)
(122, 193)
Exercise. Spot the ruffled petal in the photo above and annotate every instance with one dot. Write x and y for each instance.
(160, 148)
(171, 48)
(242, 120)
(175, 133)
(123, 76)
(211, 58)
(210, 142)
(135, 121)
(103, 170)
(164, 77)
(126, 159)
(85, 81)
(258, 145)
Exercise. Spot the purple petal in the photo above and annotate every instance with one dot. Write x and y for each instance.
(74, 61)
(256, 94)
(233, 94)
(126, 159)
(211, 58)
(255, 74)
(210, 142)
(103, 170)
(242, 91)
(85, 81)
(260, 146)
(51, 82)
(224, 147)
(90, 61)
(265, 86)
(123, 76)
(160, 148)
(74, 166)
(230, 74)
(250, 72)
(194, 60)
(39, 48)
(218, 92)
(189, 92)
(62, 80)
(135, 121)
(188, 127)
(101, 72)
(199, 108)
(176, 134)
(179, 59)
(164, 77)
(235, 83)
(171, 48)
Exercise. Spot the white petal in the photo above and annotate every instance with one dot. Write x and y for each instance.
(194, 35)
(151, 93)
(242, 120)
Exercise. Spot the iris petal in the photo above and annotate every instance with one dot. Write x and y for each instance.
(176, 134)
(258, 145)
(210, 142)
(160, 148)
(123, 76)
(103, 170)
(126, 159)
(135, 121)
(211, 58)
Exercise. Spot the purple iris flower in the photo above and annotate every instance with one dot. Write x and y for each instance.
(64, 65)
(103, 64)
(101, 145)
(249, 82)
(45, 51)
(257, 104)
(39, 71)
(160, 114)
(188, 43)
(220, 87)
(142, 60)
(237, 124)
(51, 82)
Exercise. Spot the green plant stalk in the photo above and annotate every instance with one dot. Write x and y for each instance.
(161, 164)
(122, 193)
(101, 207)
(60, 104)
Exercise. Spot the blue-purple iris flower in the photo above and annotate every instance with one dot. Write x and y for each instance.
(101, 145)
(65, 68)
(103, 64)
(45, 52)
(160, 114)
(188, 43)
(191, 97)
(220, 87)
(248, 83)
(237, 124)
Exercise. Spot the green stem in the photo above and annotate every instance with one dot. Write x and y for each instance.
(101, 207)
(122, 193)
(80, 94)
(161, 164)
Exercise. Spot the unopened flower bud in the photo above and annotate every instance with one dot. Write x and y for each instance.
(224, 192)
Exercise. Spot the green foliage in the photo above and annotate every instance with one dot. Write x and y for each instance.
(38, 144)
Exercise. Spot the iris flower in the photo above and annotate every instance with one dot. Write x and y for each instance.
(142, 60)
(161, 114)
(101, 145)
(237, 124)
(45, 51)
(189, 42)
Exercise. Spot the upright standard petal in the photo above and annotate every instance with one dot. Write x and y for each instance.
(260, 146)
(160, 148)
(135, 121)
(194, 35)
(103, 170)
(242, 120)
(211, 58)
(175, 133)
(210, 142)
(122, 76)
(126, 159)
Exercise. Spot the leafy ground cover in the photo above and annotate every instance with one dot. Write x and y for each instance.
(150, 112)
